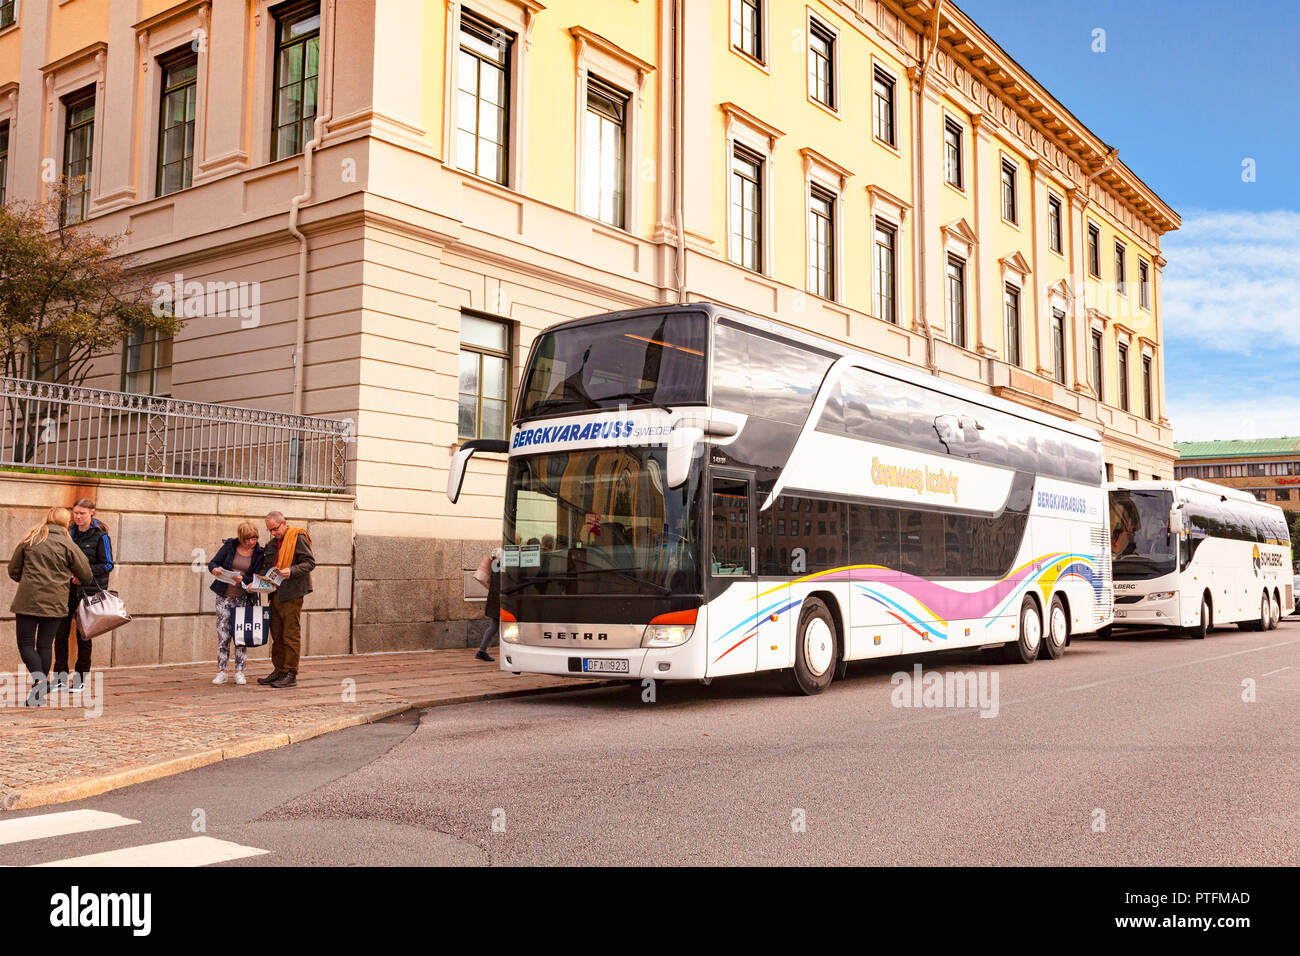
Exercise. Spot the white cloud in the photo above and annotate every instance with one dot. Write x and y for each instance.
(1221, 420)
(1233, 280)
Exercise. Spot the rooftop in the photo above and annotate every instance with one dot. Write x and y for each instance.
(1240, 448)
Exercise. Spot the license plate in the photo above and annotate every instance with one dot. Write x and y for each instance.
(1121, 614)
(604, 665)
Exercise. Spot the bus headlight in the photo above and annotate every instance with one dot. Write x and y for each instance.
(667, 635)
(1160, 595)
(510, 633)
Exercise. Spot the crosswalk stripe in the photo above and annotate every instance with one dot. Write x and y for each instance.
(45, 825)
(192, 851)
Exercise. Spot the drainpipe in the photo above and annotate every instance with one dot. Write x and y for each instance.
(679, 146)
(918, 123)
(323, 116)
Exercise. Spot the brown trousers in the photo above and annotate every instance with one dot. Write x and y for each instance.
(286, 634)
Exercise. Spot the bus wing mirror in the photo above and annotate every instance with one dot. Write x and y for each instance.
(1176, 521)
(459, 461)
(681, 451)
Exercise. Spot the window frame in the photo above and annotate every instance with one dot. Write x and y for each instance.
(70, 102)
(1058, 345)
(165, 63)
(1008, 165)
(1144, 284)
(487, 30)
(509, 376)
(154, 340)
(1121, 269)
(817, 26)
(952, 125)
(281, 17)
(742, 152)
(14, 10)
(5, 127)
(1122, 371)
(956, 305)
(609, 91)
(878, 225)
(1148, 387)
(1055, 224)
(759, 56)
(1093, 250)
(880, 73)
(818, 193)
(1012, 307)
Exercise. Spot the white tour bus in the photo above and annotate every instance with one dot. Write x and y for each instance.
(1189, 555)
(693, 492)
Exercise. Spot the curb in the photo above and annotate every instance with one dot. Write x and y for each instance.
(79, 788)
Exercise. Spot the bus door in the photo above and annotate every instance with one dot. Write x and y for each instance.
(733, 625)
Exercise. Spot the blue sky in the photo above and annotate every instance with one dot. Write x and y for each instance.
(1189, 90)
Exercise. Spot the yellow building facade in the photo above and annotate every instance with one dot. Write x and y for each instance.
(417, 187)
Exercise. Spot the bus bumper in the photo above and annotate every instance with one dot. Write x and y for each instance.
(1162, 613)
(662, 663)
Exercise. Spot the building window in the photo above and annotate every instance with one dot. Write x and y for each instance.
(297, 65)
(482, 98)
(1110, 472)
(1009, 191)
(1121, 279)
(1147, 407)
(8, 13)
(1011, 300)
(1284, 494)
(747, 27)
(78, 147)
(1144, 284)
(603, 150)
(747, 209)
(1058, 345)
(4, 160)
(176, 123)
(1123, 377)
(1054, 224)
(821, 64)
(1094, 250)
(484, 377)
(957, 301)
(952, 166)
(147, 363)
(821, 243)
(1096, 365)
(883, 86)
(1132, 474)
(886, 307)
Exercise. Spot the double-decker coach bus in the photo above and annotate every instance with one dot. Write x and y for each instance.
(1189, 555)
(693, 492)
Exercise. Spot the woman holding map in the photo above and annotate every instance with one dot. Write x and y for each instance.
(232, 568)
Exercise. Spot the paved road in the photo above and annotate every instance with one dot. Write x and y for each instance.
(1144, 735)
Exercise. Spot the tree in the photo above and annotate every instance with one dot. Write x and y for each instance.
(67, 297)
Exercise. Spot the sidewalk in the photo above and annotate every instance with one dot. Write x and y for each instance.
(158, 721)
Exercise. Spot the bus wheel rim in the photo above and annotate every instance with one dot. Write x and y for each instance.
(818, 646)
(1031, 628)
(1058, 626)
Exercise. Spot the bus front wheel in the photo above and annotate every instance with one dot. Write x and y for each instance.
(1058, 630)
(816, 650)
(1203, 626)
(1025, 649)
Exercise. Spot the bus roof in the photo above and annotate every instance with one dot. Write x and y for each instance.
(837, 348)
(1194, 485)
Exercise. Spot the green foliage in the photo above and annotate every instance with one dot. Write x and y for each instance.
(67, 294)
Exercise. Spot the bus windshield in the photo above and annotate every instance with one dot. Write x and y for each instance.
(650, 359)
(599, 521)
(1140, 542)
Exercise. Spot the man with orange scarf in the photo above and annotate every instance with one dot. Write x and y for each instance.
(290, 551)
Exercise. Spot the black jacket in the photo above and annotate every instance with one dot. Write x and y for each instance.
(225, 558)
(299, 582)
(492, 607)
(96, 545)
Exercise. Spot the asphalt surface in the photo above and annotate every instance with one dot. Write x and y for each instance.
(1136, 750)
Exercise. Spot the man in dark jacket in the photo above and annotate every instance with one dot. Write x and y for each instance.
(91, 537)
(289, 550)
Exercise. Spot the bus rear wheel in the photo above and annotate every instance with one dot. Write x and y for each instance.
(1025, 648)
(1203, 626)
(816, 650)
(1275, 612)
(1058, 630)
(1265, 615)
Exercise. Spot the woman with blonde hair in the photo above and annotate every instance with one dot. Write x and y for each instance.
(42, 564)
(243, 556)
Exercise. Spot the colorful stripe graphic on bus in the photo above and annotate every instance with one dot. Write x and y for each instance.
(923, 606)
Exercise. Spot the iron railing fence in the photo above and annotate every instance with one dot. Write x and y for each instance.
(68, 428)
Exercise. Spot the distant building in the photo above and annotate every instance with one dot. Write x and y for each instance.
(1267, 467)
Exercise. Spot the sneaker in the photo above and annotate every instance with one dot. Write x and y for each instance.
(58, 682)
(484, 656)
(221, 678)
(240, 678)
(287, 679)
(76, 684)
